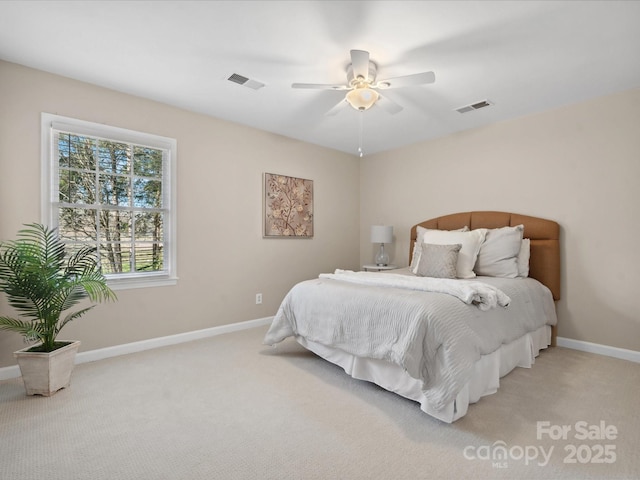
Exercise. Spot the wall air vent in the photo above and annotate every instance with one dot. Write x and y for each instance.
(474, 106)
(247, 82)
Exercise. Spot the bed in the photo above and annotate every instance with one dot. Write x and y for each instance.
(476, 301)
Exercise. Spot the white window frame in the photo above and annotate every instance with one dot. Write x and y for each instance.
(50, 189)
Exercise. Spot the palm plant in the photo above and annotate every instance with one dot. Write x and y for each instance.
(42, 282)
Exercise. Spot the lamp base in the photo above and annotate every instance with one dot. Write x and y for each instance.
(382, 258)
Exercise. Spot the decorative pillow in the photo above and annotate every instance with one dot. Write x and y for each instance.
(499, 252)
(415, 258)
(523, 258)
(467, 255)
(438, 261)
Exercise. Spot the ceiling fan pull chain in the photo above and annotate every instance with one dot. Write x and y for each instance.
(361, 115)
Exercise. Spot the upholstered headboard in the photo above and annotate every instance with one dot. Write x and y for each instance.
(544, 263)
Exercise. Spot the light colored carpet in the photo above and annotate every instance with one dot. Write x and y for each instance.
(230, 408)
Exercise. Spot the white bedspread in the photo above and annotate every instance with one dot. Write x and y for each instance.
(471, 292)
(407, 327)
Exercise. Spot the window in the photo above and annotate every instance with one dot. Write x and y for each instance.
(115, 189)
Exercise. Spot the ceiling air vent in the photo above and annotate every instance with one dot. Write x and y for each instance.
(474, 106)
(247, 82)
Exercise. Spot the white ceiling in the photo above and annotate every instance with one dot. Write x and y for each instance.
(524, 56)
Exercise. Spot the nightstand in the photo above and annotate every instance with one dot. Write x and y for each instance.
(378, 268)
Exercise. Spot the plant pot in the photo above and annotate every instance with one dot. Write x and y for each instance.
(44, 373)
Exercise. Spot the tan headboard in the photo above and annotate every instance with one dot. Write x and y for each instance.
(544, 264)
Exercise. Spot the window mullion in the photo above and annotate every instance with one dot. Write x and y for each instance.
(132, 239)
(96, 198)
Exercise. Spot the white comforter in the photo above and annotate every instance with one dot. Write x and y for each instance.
(407, 327)
(471, 292)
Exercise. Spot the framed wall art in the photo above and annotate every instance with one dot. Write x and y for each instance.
(288, 207)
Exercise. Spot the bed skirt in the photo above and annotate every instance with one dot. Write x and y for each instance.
(485, 379)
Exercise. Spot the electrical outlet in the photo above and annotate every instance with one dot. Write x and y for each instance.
(258, 298)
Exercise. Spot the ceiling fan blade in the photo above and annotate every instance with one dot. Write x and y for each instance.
(407, 80)
(389, 105)
(342, 104)
(360, 63)
(320, 86)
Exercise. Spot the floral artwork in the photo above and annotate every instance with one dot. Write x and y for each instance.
(288, 207)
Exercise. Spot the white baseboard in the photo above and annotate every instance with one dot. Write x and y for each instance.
(621, 353)
(9, 372)
(102, 353)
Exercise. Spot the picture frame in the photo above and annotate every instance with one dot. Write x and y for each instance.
(288, 207)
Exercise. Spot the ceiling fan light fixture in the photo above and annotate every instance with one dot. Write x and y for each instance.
(362, 98)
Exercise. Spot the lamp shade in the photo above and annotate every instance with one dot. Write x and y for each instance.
(381, 234)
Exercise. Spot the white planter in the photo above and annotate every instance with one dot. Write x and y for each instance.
(45, 373)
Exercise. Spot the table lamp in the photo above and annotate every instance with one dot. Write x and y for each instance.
(382, 234)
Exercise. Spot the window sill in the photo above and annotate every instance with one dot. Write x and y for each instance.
(141, 282)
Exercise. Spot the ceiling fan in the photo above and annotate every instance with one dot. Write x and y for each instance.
(363, 88)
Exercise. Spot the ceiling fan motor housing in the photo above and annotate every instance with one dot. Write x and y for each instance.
(371, 77)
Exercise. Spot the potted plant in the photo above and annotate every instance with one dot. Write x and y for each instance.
(43, 281)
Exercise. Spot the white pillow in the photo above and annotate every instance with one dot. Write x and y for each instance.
(467, 255)
(523, 258)
(415, 257)
(499, 252)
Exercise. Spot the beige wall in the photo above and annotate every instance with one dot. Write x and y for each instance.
(223, 261)
(578, 165)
